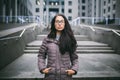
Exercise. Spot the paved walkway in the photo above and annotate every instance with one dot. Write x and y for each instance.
(91, 65)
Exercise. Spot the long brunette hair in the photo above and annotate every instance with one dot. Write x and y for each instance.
(67, 39)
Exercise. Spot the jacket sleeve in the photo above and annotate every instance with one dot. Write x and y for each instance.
(42, 56)
(74, 62)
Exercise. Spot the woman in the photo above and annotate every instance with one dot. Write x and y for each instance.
(59, 49)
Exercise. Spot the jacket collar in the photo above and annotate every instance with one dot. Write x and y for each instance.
(50, 40)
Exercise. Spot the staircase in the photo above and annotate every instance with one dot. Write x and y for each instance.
(97, 61)
(85, 46)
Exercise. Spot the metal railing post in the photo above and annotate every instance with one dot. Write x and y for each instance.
(7, 19)
(93, 20)
(106, 19)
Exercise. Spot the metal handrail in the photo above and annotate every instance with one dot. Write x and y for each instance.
(92, 28)
(113, 30)
(89, 27)
(14, 36)
(21, 34)
(116, 32)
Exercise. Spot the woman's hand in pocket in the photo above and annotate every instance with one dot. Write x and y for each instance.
(70, 72)
(46, 70)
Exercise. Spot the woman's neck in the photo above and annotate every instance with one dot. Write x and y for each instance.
(58, 33)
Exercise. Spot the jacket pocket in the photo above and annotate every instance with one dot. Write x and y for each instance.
(51, 71)
(63, 71)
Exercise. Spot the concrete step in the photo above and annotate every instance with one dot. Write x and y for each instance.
(83, 47)
(78, 37)
(31, 51)
(82, 38)
(37, 43)
(95, 51)
(32, 48)
(94, 48)
(78, 51)
(92, 67)
(91, 44)
(41, 37)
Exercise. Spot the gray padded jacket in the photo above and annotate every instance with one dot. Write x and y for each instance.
(50, 56)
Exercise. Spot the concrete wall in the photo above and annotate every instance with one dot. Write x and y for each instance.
(101, 35)
(13, 48)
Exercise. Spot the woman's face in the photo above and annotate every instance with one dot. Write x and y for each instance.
(59, 23)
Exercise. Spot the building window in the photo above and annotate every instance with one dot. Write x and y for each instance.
(69, 3)
(83, 7)
(109, 9)
(83, 20)
(104, 11)
(37, 10)
(78, 13)
(62, 2)
(78, 1)
(83, 14)
(79, 7)
(104, 3)
(69, 10)
(108, 1)
(108, 17)
(95, 1)
(62, 10)
(95, 6)
(113, 16)
(51, 3)
(69, 18)
(83, 1)
(95, 13)
(114, 7)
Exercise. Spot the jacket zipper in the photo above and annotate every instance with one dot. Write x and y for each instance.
(58, 67)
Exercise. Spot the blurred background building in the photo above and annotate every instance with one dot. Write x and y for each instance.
(87, 11)
(14, 10)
